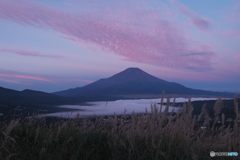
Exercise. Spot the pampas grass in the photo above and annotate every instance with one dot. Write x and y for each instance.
(153, 135)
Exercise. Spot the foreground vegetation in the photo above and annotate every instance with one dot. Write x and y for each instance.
(154, 135)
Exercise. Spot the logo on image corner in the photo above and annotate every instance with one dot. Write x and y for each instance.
(212, 154)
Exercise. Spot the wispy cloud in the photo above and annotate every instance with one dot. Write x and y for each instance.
(73, 80)
(193, 54)
(29, 53)
(238, 56)
(235, 11)
(232, 33)
(194, 18)
(137, 31)
(24, 77)
(4, 79)
(232, 18)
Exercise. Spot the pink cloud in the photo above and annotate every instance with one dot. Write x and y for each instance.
(233, 19)
(234, 12)
(195, 19)
(232, 33)
(141, 33)
(238, 56)
(24, 77)
(30, 53)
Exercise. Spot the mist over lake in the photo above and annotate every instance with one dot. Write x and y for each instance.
(118, 107)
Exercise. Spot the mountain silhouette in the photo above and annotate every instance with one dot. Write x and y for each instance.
(27, 97)
(133, 81)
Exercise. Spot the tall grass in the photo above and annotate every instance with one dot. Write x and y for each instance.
(153, 135)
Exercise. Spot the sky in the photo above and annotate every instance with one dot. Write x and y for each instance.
(53, 45)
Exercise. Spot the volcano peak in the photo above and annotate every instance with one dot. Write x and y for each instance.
(131, 81)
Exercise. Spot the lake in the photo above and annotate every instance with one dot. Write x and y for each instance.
(118, 107)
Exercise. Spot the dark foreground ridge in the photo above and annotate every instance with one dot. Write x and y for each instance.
(153, 135)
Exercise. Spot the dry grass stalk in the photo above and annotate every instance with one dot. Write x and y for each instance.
(153, 135)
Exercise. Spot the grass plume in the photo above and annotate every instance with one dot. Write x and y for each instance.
(153, 135)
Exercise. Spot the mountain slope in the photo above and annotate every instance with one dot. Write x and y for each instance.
(132, 81)
(27, 97)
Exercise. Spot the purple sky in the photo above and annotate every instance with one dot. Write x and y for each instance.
(52, 45)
